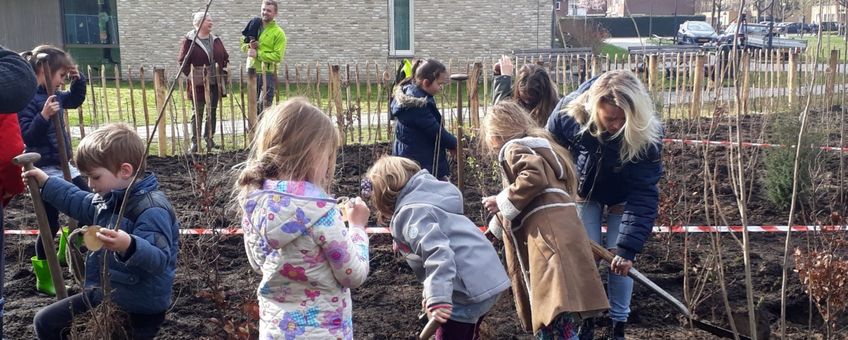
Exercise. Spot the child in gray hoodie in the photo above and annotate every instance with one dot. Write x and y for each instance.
(458, 266)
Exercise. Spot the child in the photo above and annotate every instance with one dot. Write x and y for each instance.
(141, 270)
(420, 134)
(39, 135)
(293, 230)
(458, 266)
(555, 281)
(533, 89)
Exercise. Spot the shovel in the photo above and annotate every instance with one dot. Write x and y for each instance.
(634, 274)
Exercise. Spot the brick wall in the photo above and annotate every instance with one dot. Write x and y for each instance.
(343, 31)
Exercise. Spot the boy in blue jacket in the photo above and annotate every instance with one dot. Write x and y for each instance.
(142, 252)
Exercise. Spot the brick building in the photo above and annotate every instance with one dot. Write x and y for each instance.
(147, 32)
(623, 8)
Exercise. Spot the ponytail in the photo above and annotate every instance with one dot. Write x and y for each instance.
(55, 58)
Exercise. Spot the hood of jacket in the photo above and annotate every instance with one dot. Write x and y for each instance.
(424, 188)
(410, 96)
(537, 143)
(291, 207)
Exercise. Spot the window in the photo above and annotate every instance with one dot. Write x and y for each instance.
(401, 27)
(557, 5)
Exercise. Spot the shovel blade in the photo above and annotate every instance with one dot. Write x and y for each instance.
(716, 330)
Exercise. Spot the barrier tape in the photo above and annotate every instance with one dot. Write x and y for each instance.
(657, 229)
(744, 144)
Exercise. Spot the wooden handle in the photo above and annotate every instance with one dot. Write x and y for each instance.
(429, 329)
(46, 237)
(601, 252)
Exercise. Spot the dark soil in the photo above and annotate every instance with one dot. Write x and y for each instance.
(215, 286)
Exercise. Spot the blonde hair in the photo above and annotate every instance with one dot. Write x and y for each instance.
(291, 138)
(642, 127)
(388, 176)
(109, 147)
(508, 120)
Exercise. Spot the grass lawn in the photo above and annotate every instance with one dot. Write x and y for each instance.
(829, 42)
(613, 51)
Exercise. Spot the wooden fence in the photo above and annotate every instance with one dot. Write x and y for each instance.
(682, 85)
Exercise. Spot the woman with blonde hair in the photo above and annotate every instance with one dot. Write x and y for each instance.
(614, 135)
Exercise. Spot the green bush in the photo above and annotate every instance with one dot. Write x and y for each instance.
(780, 162)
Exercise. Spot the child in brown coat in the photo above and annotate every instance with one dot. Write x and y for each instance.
(549, 259)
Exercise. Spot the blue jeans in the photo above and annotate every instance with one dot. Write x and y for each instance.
(472, 313)
(619, 288)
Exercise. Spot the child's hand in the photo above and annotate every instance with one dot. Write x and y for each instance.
(506, 65)
(440, 312)
(357, 212)
(73, 73)
(251, 52)
(118, 241)
(254, 45)
(491, 204)
(51, 106)
(36, 173)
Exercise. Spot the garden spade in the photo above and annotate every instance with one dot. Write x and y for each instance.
(634, 274)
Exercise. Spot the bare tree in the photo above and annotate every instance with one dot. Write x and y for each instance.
(592, 4)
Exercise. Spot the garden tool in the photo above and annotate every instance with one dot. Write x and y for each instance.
(26, 160)
(634, 274)
(429, 329)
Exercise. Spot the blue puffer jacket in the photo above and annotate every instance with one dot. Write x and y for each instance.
(142, 282)
(605, 179)
(38, 133)
(419, 127)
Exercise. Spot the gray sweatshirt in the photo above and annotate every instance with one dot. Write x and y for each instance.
(447, 252)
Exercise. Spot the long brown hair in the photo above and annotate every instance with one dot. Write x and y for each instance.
(507, 120)
(291, 138)
(535, 90)
(56, 59)
(388, 176)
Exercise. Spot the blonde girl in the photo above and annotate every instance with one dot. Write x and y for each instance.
(549, 259)
(614, 135)
(294, 233)
(459, 268)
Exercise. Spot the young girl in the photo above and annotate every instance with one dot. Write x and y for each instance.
(39, 135)
(293, 229)
(610, 127)
(458, 266)
(533, 89)
(420, 134)
(555, 281)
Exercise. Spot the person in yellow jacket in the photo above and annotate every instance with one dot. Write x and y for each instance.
(267, 52)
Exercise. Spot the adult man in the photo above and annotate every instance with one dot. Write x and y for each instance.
(267, 52)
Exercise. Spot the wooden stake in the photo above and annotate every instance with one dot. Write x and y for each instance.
(144, 104)
(118, 92)
(160, 89)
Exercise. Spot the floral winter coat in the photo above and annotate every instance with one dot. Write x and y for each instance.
(309, 261)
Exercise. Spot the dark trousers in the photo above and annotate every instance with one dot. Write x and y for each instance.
(53, 217)
(200, 110)
(266, 89)
(453, 330)
(54, 321)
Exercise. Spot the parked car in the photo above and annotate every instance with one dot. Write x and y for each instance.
(755, 36)
(829, 26)
(795, 27)
(726, 37)
(696, 32)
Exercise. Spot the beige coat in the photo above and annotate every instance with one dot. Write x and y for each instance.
(546, 245)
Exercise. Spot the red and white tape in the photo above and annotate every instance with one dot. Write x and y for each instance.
(657, 229)
(744, 144)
